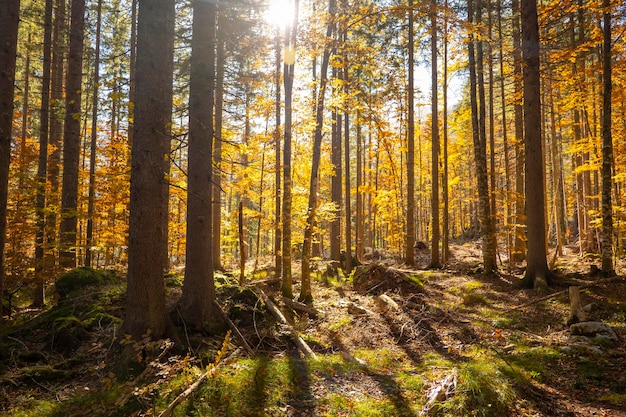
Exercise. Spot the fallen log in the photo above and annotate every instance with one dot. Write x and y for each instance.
(302, 345)
(556, 294)
(311, 311)
(234, 328)
(193, 387)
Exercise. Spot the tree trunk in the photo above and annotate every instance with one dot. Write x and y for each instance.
(9, 18)
(94, 141)
(55, 138)
(346, 118)
(71, 142)
(409, 257)
(445, 240)
(607, 146)
(537, 273)
(336, 180)
(145, 306)
(198, 295)
(288, 71)
(217, 144)
(435, 261)
(305, 291)
(519, 249)
(278, 257)
(505, 141)
(40, 197)
(489, 262)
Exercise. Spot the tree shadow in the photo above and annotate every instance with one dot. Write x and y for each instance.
(301, 400)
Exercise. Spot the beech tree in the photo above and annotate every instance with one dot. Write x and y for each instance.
(147, 237)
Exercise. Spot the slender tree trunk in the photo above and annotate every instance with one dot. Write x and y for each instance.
(336, 180)
(40, 196)
(9, 19)
(305, 291)
(489, 261)
(146, 311)
(197, 300)
(71, 142)
(435, 261)
(346, 119)
(607, 146)
(217, 144)
(505, 142)
(519, 240)
(410, 156)
(278, 262)
(445, 241)
(288, 77)
(537, 273)
(94, 142)
(360, 207)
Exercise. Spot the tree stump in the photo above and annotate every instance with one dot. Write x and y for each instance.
(577, 313)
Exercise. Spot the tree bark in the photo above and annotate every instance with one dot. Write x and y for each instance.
(480, 157)
(42, 165)
(607, 146)
(305, 291)
(409, 256)
(435, 260)
(288, 77)
(9, 18)
(217, 143)
(537, 273)
(145, 306)
(196, 302)
(94, 141)
(71, 142)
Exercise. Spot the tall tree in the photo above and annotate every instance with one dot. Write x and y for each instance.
(518, 115)
(53, 198)
(147, 237)
(9, 18)
(480, 153)
(40, 196)
(346, 147)
(435, 261)
(607, 145)
(91, 203)
(71, 140)
(410, 154)
(289, 60)
(537, 273)
(278, 230)
(445, 239)
(199, 289)
(305, 289)
(220, 58)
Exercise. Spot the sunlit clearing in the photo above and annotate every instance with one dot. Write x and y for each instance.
(279, 12)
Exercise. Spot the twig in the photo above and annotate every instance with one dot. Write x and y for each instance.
(234, 328)
(302, 345)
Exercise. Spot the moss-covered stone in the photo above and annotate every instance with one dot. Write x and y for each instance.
(80, 278)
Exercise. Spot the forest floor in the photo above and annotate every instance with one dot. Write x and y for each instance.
(388, 341)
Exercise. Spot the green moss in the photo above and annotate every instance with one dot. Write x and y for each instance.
(80, 278)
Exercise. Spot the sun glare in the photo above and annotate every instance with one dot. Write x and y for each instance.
(279, 12)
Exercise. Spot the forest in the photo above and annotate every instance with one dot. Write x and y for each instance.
(312, 208)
